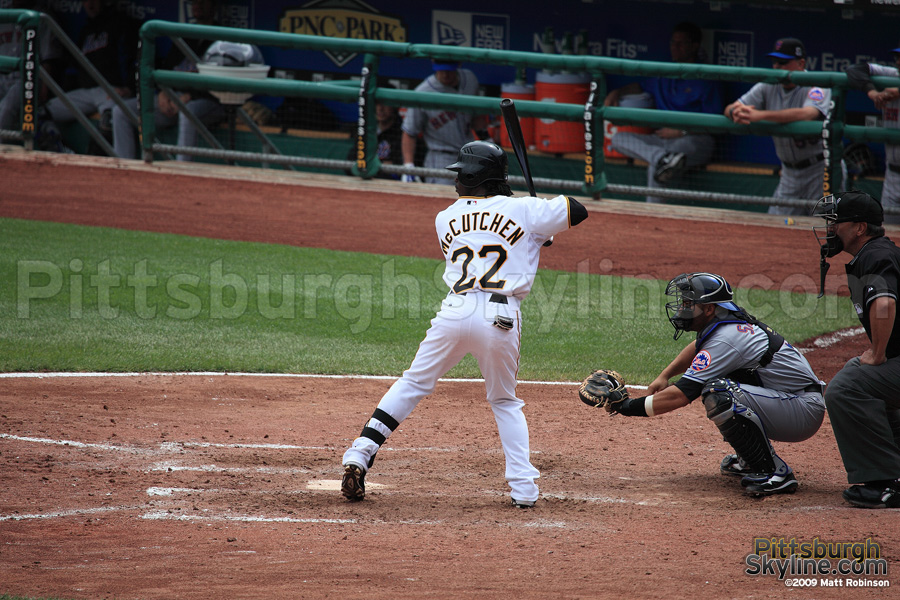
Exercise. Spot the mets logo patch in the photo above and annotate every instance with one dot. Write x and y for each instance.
(701, 361)
(816, 94)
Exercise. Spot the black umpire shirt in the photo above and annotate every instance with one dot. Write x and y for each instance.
(875, 272)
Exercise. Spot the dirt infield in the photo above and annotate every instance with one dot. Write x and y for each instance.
(210, 487)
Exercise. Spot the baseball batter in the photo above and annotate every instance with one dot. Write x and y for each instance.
(444, 131)
(755, 385)
(802, 159)
(888, 101)
(492, 243)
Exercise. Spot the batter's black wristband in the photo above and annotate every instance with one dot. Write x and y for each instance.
(633, 407)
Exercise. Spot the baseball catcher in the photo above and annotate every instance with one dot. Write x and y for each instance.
(755, 386)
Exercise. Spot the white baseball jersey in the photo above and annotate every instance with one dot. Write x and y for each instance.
(493, 244)
(444, 130)
(769, 96)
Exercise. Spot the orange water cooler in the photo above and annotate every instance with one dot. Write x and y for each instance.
(560, 137)
(518, 91)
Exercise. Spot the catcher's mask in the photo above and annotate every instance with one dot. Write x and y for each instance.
(690, 289)
(479, 162)
(853, 206)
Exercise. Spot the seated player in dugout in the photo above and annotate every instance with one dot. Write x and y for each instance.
(755, 385)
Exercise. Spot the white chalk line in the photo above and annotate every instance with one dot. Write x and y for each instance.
(819, 343)
(162, 515)
(75, 512)
(63, 374)
(829, 340)
(177, 447)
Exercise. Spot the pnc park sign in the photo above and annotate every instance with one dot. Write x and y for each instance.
(349, 19)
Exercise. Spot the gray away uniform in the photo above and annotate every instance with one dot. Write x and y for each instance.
(786, 393)
(771, 387)
(802, 159)
(445, 131)
(860, 77)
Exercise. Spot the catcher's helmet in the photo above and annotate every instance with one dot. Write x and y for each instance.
(479, 162)
(232, 54)
(689, 289)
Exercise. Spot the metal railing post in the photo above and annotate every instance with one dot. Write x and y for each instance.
(146, 92)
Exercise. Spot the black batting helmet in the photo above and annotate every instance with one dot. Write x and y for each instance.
(479, 162)
(689, 289)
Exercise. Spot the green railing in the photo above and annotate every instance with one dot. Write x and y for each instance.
(592, 114)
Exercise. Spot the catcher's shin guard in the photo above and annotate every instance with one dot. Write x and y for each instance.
(740, 426)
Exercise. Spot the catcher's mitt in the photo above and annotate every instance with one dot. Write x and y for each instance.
(603, 388)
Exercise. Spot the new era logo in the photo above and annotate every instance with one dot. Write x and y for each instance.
(449, 35)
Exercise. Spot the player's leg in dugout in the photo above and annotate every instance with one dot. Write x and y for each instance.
(642, 146)
(799, 184)
(86, 100)
(438, 159)
(209, 111)
(890, 195)
(125, 132)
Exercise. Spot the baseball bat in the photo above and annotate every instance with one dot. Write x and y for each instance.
(517, 140)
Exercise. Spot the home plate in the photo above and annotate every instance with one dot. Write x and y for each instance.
(333, 485)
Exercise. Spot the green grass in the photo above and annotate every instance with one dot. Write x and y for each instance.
(76, 298)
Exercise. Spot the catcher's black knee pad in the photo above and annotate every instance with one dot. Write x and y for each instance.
(719, 396)
(738, 424)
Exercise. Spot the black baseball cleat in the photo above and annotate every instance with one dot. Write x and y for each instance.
(522, 503)
(869, 496)
(670, 166)
(732, 464)
(766, 485)
(353, 484)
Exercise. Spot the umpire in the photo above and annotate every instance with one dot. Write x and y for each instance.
(863, 399)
